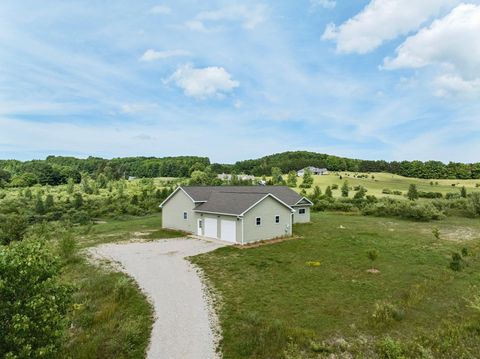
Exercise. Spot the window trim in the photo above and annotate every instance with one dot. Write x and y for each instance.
(185, 216)
(257, 222)
(302, 211)
(275, 219)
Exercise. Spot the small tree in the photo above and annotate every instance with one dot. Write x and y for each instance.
(360, 193)
(463, 192)
(49, 202)
(292, 179)
(412, 192)
(39, 206)
(372, 255)
(328, 192)
(77, 200)
(277, 175)
(345, 189)
(307, 179)
(317, 193)
(70, 185)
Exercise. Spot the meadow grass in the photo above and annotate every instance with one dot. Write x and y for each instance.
(390, 181)
(272, 298)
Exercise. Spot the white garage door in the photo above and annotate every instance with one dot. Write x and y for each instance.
(211, 227)
(228, 230)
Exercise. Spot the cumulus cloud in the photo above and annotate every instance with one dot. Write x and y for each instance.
(152, 55)
(381, 21)
(161, 10)
(249, 17)
(452, 44)
(203, 82)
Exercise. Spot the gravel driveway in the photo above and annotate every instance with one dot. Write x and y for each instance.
(183, 318)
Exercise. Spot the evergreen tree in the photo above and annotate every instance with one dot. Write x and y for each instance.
(49, 203)
(277, 176)
(345, 189)
(317, 193)
(463, 192)
(328, 192)
(39, 206)
(307, 179)
(360, 193)
(77, 200)
(292, 179)
(412, 194)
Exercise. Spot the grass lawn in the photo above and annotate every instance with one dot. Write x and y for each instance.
(390, 181)
(271, 296)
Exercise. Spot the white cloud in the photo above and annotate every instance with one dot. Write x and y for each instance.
(161, 10)
(381, 21)
(452, 43)
(152, 55)
(203, 82)
(327, 4)
(135, 108)
(249, 17)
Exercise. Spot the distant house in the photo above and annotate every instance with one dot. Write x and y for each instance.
(314, 170)
(228, 177)
(237, 214)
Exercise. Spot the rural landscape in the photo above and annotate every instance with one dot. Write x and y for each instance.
(240, 179)
(387, 267)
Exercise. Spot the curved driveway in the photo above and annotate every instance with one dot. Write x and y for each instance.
(183, 322)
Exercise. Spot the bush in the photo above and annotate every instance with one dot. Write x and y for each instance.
(389, 348)
(12, 228)
(409, 210)
(386, 191)
(34, 304)
(473, 204)
(457, 263)
(423, 194)
(334, 186)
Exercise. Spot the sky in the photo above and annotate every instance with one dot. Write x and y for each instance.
(232, 80)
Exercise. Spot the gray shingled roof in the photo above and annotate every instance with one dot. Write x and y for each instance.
(237, 199)
(229, 202)
(283, 193)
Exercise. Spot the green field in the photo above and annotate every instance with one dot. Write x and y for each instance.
(275, 304)
(389, 181)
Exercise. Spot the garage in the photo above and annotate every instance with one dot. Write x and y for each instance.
(228, 230)
(210, 227)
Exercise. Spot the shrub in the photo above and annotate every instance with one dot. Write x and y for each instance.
(465, 252)
(409, 210)
(385, 312)
(389, 348)
(423, 194)
(397, 193)
(386, 191)
(457, 263)
(34, 304)
(436, 233)
(412, 194)
(67, 245)
(473, 204)
(334, 186)
(12, 228)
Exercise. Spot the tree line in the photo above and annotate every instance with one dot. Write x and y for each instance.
(55, 170)
(288, 161)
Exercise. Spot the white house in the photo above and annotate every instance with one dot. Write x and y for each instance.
(313, 170)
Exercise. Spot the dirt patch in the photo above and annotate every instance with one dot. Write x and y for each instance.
(459, 234)
(373, 271)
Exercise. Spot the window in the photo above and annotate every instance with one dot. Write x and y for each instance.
(199, 223)
(301, 211)
(277, 219)
(185, 215)
(258, 221)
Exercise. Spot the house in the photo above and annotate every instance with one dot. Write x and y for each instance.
(237, 214)
(314, 170)
(228, 177)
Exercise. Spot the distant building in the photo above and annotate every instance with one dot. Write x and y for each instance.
(131, 178)
(228, 177)
(314, 170)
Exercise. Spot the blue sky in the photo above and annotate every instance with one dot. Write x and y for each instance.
(379, 79)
